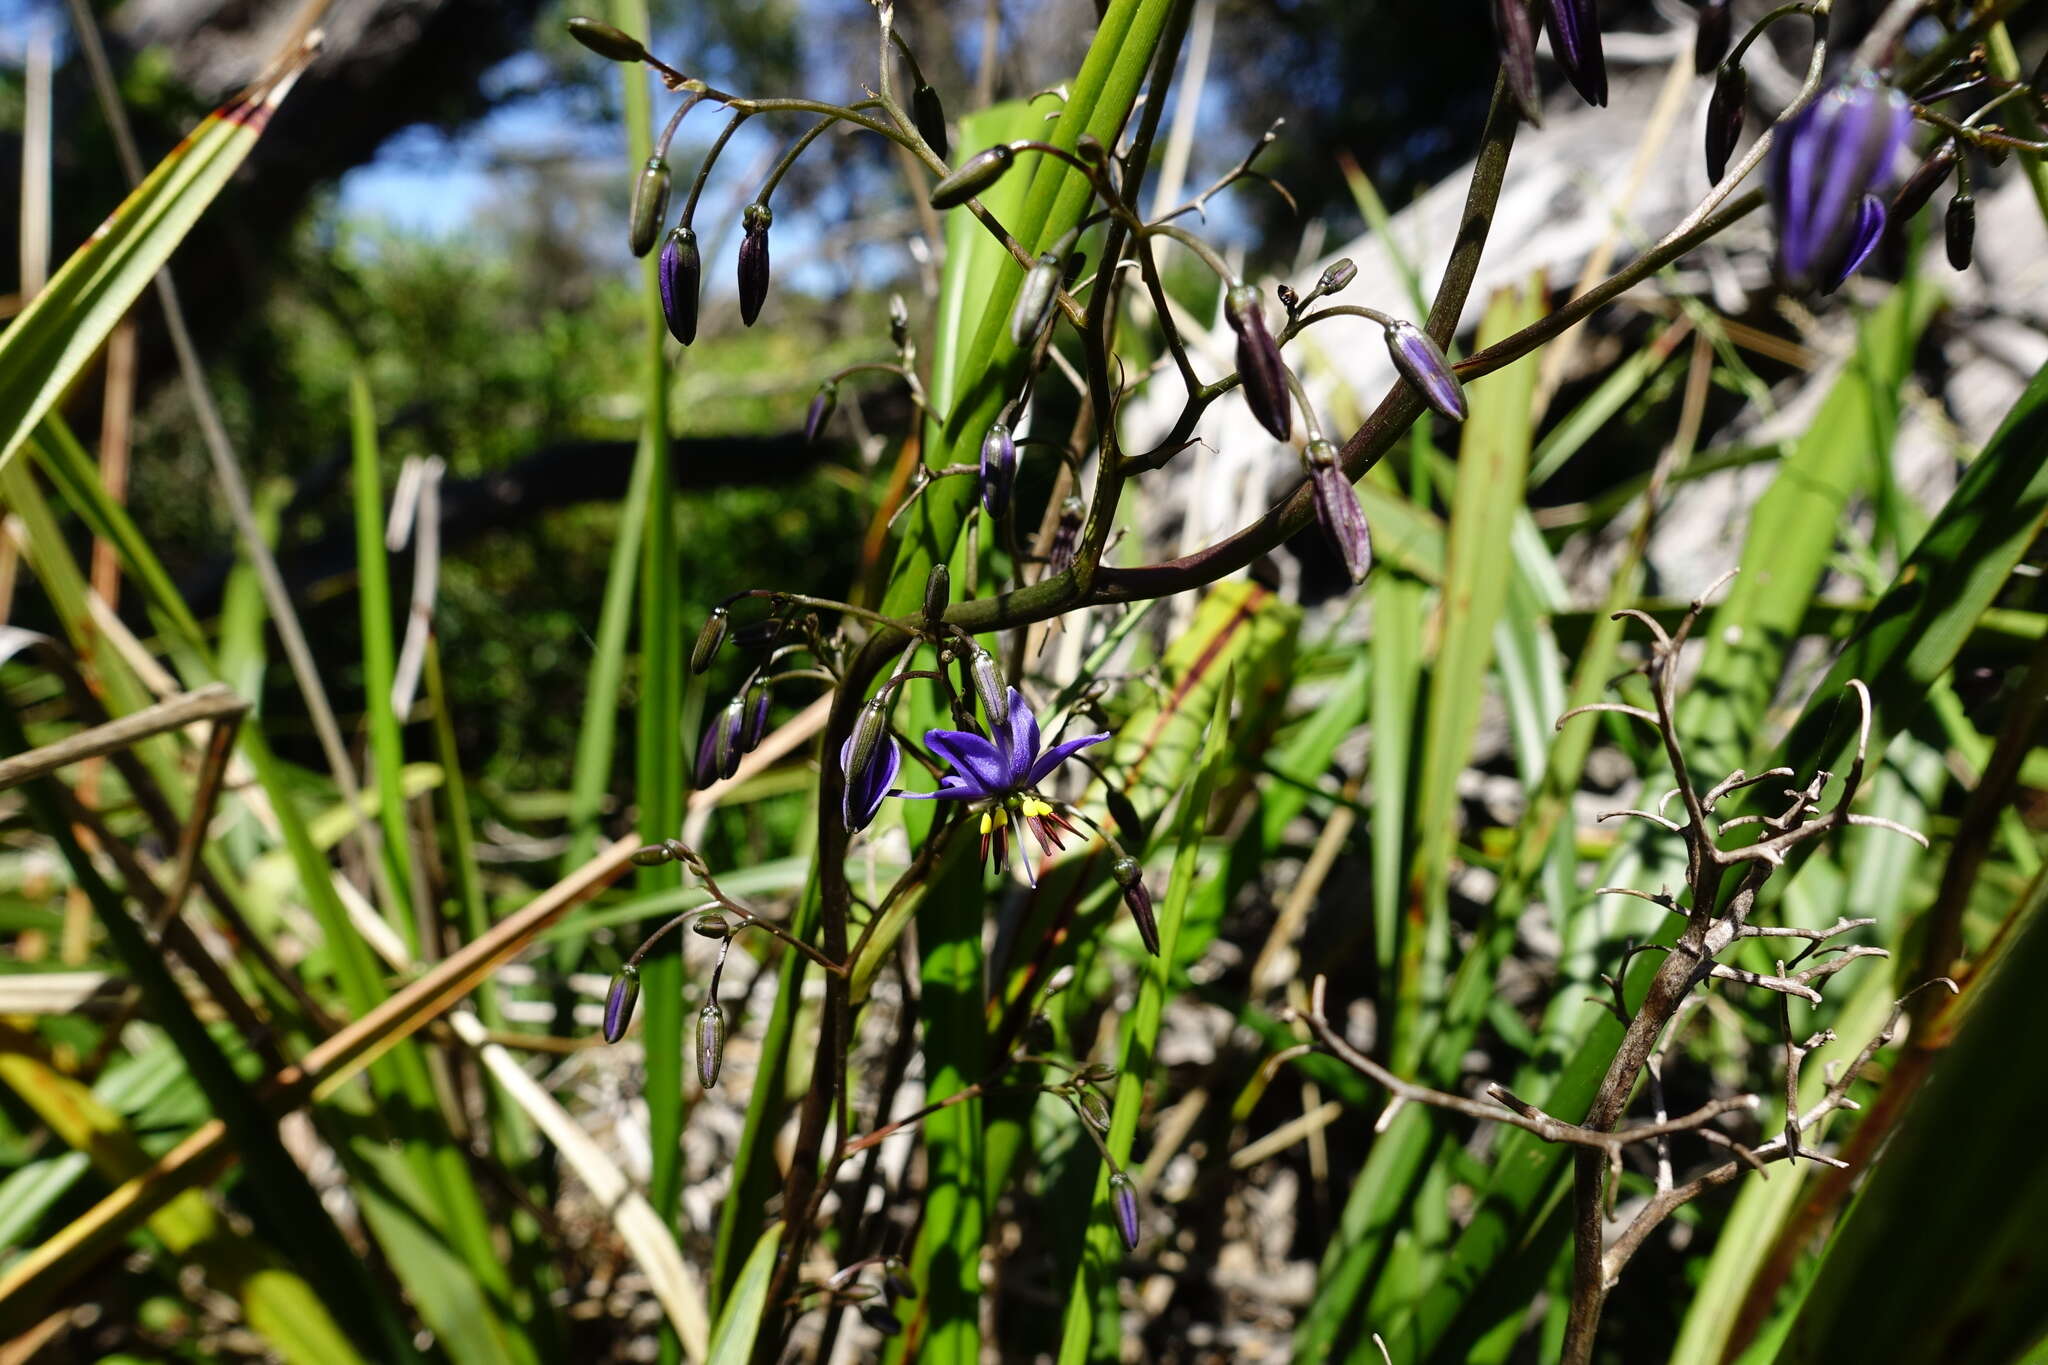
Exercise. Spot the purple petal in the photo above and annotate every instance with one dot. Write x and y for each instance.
(863, 797)
(1058, 754)
(976, 760)
(1020, 740)
(1575, 41)
(1870, 221)
(951, 788)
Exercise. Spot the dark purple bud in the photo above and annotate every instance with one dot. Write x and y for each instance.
(862, 796)
(1869, 231)
(758, 634)
(1920, 186)
(1123, 1200)
(1289, 300)
(1421, 362)
(1258, 362)
(1035, 300)
(754, 261)
(973, 175)
(1092, 1108)
(650, 206)
(1337, 509)
(757, 720)
(710, 1043)
(929, 116)
(1137, 899)
(897, 1287)
(681, 278)
(712, 927)
(618, 1003)
(1725, 112)
(1066, 536)
(938, 591)
(606, 41)
(881, 1319)
(1824, 163)
(998, 469)
(1337, 276)
(989, 686)
(1710, 39)
(1574, 27)
(1961, 226)
(1515, 38)
(823, 402)
(707, 752)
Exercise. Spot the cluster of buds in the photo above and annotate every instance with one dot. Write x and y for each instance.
(1574, 28)
(875, 1301)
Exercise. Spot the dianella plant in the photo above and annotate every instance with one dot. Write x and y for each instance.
(1144, 962)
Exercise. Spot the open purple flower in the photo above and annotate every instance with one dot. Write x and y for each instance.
(1004, 772)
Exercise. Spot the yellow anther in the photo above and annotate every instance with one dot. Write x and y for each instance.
(1034, 807)
(986, 823)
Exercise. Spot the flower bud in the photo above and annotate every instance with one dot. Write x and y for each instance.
(938, 591)
(1123, 1200)
(712, 927)
(757, 719)
(1092, 1108)
(1710, 39)
(1421, 362)
(1289, 300)
(1337, 509)
(1038, 1034)
(1258, 362)
(1090, 149)
(929, 117)
(822, 404)
(1515, 38)
(1035, 300)
(1059, 980)
(653, 855)
(897, 1287)
(680, 278)
(870, 727)
(1066, 536)
(758, 634)
(709, 639)
(1100, 1073)
(650, 206)
(606, 41)
(1575, 41)
(972, 176)
(718, 752)
(998, 469)
(710, 1043)
(618, 1003)
(1961, 227)
(754, 261)
(1921, 185)
(899, 321)
(879, 1317)
(1726, 109)
(1337, 276)
(989, 686)
(1137, 899)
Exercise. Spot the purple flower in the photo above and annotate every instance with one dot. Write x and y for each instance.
(868, 763)
(681, 277)
(1004, 773)
(1825, 168)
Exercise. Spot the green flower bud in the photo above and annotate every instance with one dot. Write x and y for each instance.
(973, 175)
(710, 1043)
(650, 206)
(607, 41)
(709, 639)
